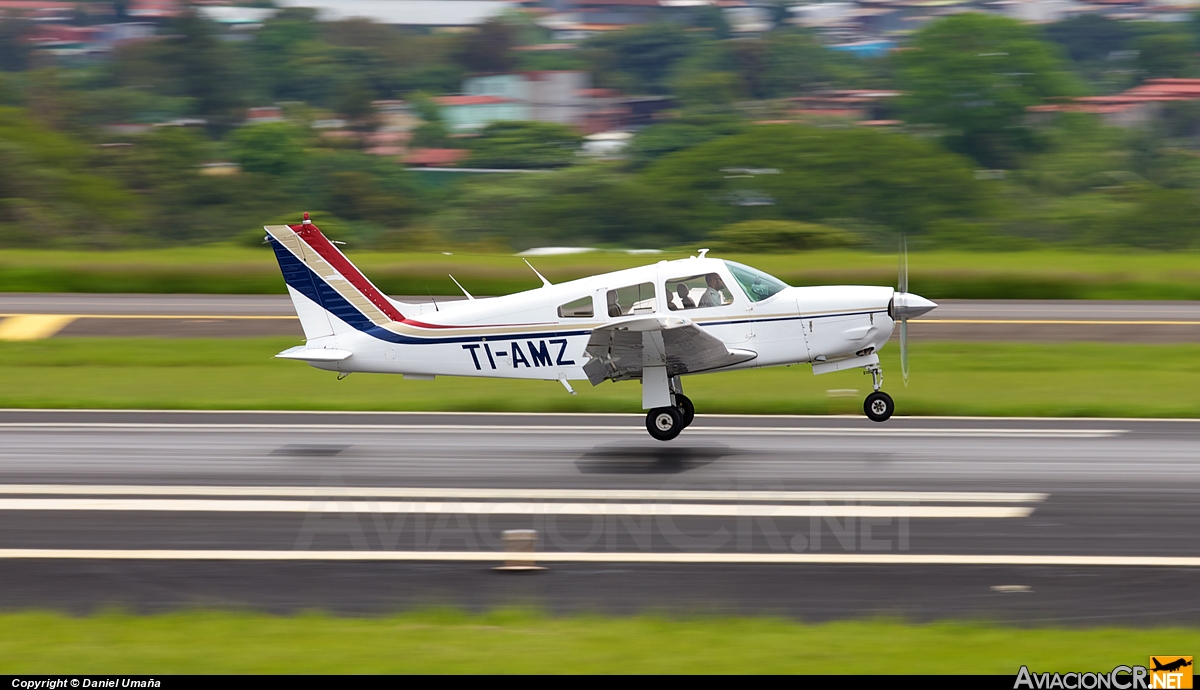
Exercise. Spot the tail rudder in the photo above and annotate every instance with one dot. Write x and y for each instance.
(330, 294)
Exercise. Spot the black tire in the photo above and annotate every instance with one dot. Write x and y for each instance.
(686, 408)
(879, 406)
(664, 423)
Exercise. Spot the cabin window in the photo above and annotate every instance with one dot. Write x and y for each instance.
(694, 292)
(579, 309)
(635, 299)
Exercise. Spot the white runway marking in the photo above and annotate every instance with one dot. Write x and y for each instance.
(629, 430)
(508, 508)
(340, 493)
(601, 557)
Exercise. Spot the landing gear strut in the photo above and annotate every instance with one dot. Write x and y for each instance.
(686, 409)
(878, 405)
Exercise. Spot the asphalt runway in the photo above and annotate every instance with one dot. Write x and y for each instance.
(97, 315)
(1072, 522)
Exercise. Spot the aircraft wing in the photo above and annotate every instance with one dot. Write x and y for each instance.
(619, 352)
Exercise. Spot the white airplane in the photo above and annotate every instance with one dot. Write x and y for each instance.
(654, 323)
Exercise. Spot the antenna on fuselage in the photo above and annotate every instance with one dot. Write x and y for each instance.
(702, 252)
(545, 283)
(460, 287)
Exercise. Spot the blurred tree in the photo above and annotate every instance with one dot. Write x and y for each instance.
(205, 67)
(974, 75)
(355, 186)
(584, 204)
(638, 59)
(14, 48)
(48, 197)
(792, 62)
(488, 48)
(354, 103)
(656, 141)
(712, 18)
(1166, 55)
(787, 172)
(525, 145)
(1088, 37)
(709, 91)
(781, 235)
(432, 133)
(269, 148)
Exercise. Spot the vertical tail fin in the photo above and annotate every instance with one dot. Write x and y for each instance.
(331, 296)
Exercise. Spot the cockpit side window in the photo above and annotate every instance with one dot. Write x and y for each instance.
(578, 309)
(634, 299)
(756, 284)
(694, 292)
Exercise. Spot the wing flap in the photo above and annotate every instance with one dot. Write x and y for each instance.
(616, 352)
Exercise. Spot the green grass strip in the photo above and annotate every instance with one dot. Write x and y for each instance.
(991, 379)
(1045, 274)
(518, 641)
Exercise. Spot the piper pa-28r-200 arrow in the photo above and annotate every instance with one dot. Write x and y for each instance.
(654, 323)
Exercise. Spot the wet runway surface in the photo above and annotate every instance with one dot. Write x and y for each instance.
(1026, 520)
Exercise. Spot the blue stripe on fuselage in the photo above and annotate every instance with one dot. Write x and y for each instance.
(303, 279)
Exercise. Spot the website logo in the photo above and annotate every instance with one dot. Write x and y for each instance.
(1171, 672)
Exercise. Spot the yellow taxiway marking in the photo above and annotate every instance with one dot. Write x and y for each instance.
(33, 326)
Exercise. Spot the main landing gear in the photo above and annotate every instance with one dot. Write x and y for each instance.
(878, 405)
(665, 423)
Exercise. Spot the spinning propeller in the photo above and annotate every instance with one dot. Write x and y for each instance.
(906, 306)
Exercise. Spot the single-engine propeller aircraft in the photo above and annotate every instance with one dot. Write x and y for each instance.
(655, 323)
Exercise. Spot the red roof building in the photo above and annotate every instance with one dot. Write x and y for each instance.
(435, 158)
(1130, 108)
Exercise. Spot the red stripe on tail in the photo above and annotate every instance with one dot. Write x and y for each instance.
(313, 237)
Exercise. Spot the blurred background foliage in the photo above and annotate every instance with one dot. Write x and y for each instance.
(959, 161)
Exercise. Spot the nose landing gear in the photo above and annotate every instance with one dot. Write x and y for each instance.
(879, 406)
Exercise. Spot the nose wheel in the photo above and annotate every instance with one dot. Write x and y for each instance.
(879, 406)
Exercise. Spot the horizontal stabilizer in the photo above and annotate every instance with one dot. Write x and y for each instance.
(315, 354)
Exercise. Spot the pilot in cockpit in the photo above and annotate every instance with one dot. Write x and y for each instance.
(712, 294)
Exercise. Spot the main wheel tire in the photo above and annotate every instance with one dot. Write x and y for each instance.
(686, 408)
(879, 406)
(664, 423)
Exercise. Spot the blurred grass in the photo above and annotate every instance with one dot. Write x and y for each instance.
(1048, 274)
(518, 641)
(1001, 379)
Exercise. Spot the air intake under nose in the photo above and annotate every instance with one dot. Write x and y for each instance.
(906, 305)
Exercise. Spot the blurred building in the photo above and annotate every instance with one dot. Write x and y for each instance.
(573, 20)
(860, 105)
(473, 113)
(546, 96)
(1136, 107)
(435, 158)
(416, 13)
(263, 115)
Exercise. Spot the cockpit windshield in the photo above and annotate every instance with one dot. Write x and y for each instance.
(756, 284)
